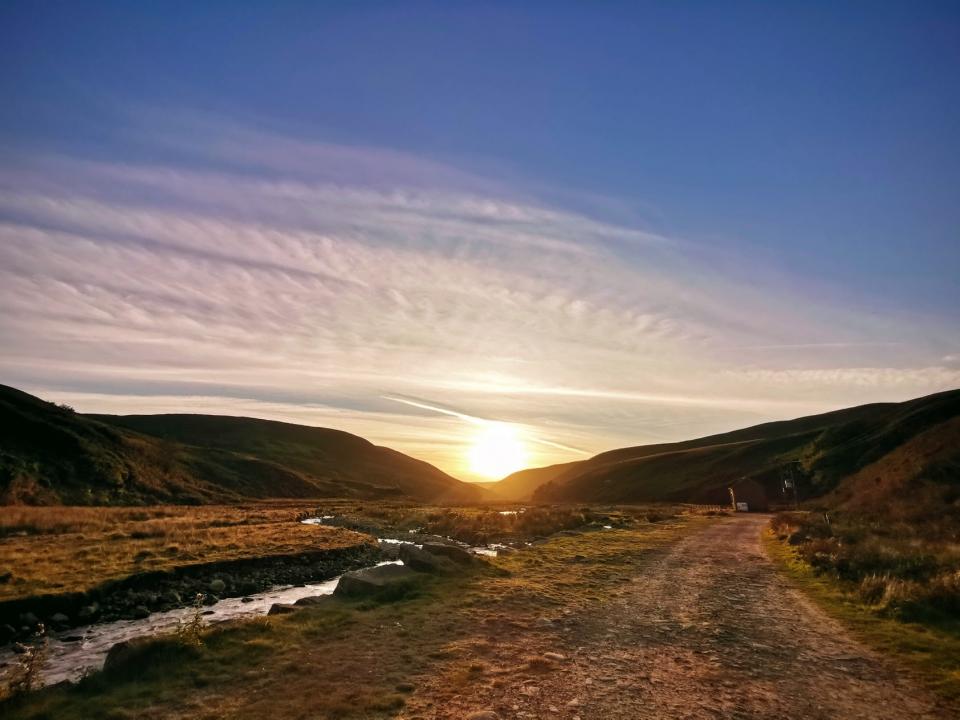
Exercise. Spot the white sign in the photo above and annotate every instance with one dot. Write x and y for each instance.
(742, 507)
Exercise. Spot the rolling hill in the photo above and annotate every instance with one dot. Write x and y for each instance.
(50, 454)
(829, 449)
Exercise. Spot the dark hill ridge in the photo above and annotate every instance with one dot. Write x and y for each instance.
(829, 447)
(50, 454)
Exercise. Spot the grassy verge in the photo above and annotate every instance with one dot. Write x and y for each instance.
(931, 649)
(365, 659)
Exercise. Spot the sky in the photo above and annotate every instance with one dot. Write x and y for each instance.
(578, 226)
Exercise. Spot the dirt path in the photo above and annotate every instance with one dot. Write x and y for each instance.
(704, 629)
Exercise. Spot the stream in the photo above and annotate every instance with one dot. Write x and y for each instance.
(72, 653)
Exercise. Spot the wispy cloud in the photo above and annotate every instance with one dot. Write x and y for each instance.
(286, 278)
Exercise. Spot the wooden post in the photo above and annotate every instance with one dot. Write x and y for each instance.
(733, 499)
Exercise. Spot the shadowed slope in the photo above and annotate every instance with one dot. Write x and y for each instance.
(50, 454)
(829, 447)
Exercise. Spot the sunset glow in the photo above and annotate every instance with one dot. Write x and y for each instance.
(628, 256)
(498, 450)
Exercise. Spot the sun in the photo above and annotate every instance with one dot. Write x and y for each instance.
(498, 450)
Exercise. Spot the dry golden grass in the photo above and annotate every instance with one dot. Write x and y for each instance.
(368, 660)
(932, 647)
(67, 549)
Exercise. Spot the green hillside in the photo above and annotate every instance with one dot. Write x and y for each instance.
(50, 454)
(828, 447)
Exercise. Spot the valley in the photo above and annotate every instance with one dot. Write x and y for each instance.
(632, 615)
(172, 584)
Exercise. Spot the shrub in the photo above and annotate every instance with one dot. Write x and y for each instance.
(190, 630)
(25, 675)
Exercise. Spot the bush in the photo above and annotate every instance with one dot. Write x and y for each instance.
(908, 570)
(25, 675)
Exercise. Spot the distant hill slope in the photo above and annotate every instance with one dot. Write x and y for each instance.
(829, 447)
(51, 454)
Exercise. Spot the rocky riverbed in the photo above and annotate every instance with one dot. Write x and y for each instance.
(138, 596)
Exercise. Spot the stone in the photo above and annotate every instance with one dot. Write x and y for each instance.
(89, 612)
(390, 551)
(281, 609)
(426, 562)
(457, 554)
(405, 687)
(555, 656)
(311, 600)
(120, 654)
(29, 619)
(7, 633)
(376, 581)
(246, 599)
(483, 715)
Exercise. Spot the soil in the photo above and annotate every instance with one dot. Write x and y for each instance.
(705, 628)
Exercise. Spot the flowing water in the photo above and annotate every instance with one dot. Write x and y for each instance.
(73, 652)
(76, 651)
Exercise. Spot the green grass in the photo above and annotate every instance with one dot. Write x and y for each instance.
(930, 649)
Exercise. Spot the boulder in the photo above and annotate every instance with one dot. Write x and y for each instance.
(456, 553)
(30, 620)
(120, 654)
(390, 551)
(425, 562)
(380, 581)
(281, 609)
(90, 612)
(311, 600)
(7, 634)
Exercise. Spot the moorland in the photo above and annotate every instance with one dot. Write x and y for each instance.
(620, 586)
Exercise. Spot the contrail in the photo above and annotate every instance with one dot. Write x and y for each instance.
(443, 411)
(474, 420)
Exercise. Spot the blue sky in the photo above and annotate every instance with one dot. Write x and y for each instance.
(604, 223)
